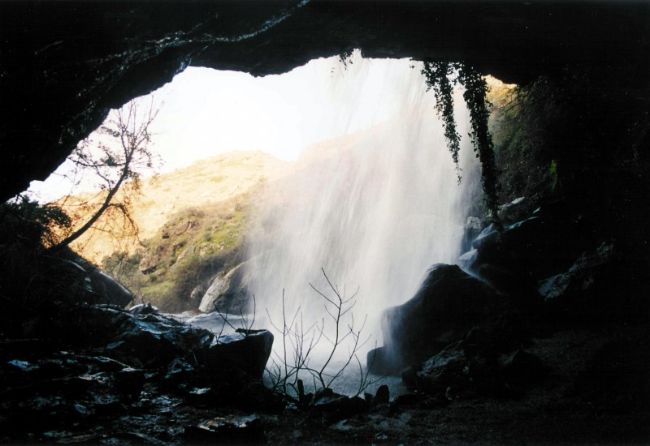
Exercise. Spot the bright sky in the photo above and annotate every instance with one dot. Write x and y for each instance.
(204, 112)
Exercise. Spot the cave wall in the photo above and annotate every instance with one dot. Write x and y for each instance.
(65, 64)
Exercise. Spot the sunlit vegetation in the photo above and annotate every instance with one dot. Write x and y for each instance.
(188, 249)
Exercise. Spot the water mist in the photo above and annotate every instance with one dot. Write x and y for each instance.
(374, 209)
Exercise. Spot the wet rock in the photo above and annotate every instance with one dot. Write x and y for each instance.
(498, 335)
(595, 289)
(179, 371)
(458, 372)
(449, 368)
(467, 259)
(109, 290)
(143, 309)
(514, 259)
(382, 396)
(517, 210)
(147, 339)
(334, 407)
(227, 430)
(473, 227)
(247, 351)
(580, 276)
(227, 292)
(380, 361)
(97, 286)
(200, 396)
(448, 303)
(21, 366)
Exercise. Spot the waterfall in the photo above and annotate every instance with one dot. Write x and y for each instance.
(374, 208)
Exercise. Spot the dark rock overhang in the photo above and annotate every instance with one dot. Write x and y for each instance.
(65, 64)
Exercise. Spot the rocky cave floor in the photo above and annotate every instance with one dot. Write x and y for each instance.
(62, 411)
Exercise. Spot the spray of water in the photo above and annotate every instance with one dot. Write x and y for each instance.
(374, 209)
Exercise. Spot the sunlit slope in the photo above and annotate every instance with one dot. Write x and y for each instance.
(204, 183)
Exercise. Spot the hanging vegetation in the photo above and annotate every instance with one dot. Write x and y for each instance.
(441, 77)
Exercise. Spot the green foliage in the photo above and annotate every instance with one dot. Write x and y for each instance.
(475, 98)
(188, 250)
(437, 76)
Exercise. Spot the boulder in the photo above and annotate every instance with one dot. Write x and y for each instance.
(514, 259)
(518, 209)
(245, 350)
(145, 338)
(457, 371)
(227, 292)
(473, 227)
(380, 362)
(447, 369)
(382, 396)
(97, 286)
(109, 290)
(233, 429)
(581, 276)
(448, 303)
(593, 290)
(333, 407)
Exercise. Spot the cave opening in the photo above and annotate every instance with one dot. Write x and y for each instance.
(261, 194)
(341, 204)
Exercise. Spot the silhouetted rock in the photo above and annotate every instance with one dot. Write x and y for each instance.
(595, 290)
(247, 351)
(227, 430)
(142, 309)
(448, 303)
(109, 290)
(144, 338)
(473, 227)
(518, 209)
(92, 285)
(514, 259)
(382, 396)
(334, 407)
(449, 368)
(380, 362)
(456, 372)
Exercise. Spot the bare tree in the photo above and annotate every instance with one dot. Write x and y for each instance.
(116, 159)
(294, 361)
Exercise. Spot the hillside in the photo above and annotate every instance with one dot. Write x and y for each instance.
(191, 223)
(208, 182)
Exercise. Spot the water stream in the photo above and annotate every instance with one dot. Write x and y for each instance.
(373, 209)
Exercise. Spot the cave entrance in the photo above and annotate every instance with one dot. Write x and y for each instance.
(307, 202)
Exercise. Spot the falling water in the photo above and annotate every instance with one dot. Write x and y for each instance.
(374, 209)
